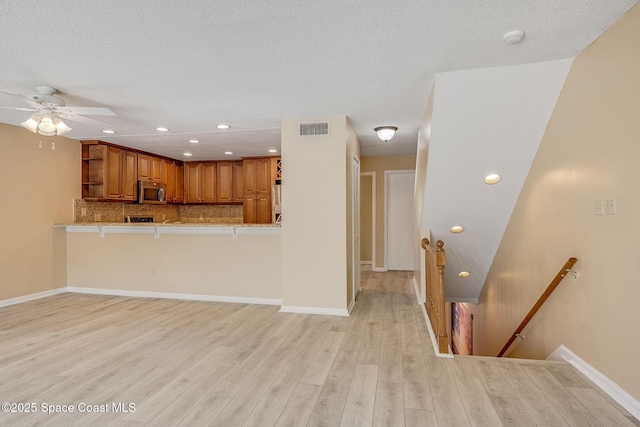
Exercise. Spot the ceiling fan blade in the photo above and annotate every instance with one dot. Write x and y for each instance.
(84, 120)
(22, 98)
(88, 111)
(20, 109)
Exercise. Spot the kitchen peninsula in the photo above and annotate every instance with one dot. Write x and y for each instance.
(209, 262)
(210, 237)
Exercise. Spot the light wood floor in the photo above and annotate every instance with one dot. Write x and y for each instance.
(196, 363)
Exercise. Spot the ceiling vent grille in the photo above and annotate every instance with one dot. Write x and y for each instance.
(308, 129)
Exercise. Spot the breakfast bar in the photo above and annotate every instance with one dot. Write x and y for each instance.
(209, 262)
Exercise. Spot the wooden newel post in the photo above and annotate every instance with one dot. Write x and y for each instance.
(441, 328)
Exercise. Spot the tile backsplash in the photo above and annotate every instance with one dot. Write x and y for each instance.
(117, 212)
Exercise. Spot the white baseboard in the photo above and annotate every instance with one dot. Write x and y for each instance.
(623, 398)
(170, 295)
(417, 288)
(378, 269)
(434, 341)
(314, 310)
(351, 305)
(31, 297)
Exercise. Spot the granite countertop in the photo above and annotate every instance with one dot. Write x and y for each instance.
(159, 229)
(159, 224)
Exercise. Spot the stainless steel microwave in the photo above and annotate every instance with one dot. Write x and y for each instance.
(152, 192)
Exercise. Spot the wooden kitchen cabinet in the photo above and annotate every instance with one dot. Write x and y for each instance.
(179, 195)
(108, 173)
(229, 182)
(257, 191)
(174, 180)
(238, 182)
(200, 182)
(150, 168)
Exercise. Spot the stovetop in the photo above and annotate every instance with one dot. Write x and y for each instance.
(138, 218)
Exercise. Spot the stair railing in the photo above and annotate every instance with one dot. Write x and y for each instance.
(435, 261)
(566, 268)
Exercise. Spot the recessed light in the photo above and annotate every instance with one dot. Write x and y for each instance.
(491, 179)
(162, 129)
(194, 141)
(273, 150)
(513, 37)
(228, 152)
(457, 229)
(464, 274)
(187, 154)
(223, 126)
(108, 131)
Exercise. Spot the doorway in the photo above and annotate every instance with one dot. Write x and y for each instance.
(398, 220)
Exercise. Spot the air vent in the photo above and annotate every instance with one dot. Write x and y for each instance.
(307, 129)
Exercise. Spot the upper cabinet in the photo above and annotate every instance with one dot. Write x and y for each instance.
(108, 173)
(111, 172)
(174, 179)
(259, 176)
(150, 168)
(229, 182)
(200, 182)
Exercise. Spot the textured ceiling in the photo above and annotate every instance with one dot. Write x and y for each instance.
(190, 65)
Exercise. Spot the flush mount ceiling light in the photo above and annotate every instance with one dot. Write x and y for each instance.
(273, 150)
(491, 179)
(221, 126)
(464, 274)
(187, 154)
(513, 37)
(457, 229)
(194, 141)
(385, 133)
(48, 124)
(228, 152)
(162, 129)
(108, 131)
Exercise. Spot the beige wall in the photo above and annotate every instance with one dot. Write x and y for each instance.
(39, 186)
(379, 164)
(590, 151)
(314, 229)
(215, 265)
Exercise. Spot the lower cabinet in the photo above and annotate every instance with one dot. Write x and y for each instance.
(256, 210)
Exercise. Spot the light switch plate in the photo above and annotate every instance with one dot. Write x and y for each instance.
(610, 206)
(599, 207)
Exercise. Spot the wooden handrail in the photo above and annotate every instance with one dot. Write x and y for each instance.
(435, 261)
(552, 286)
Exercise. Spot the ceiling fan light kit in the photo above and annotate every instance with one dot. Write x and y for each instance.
(385, 133)
(49, 108)
(46, 124)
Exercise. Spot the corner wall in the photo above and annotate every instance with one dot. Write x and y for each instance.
(39, 186)
(314, 192)
(589, 152)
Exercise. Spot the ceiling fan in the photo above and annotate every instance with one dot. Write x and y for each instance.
(49, 110)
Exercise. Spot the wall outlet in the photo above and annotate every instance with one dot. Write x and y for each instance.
(599, 207)
(83, 212)
(610, 206)
(97, 217)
